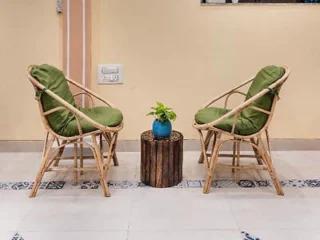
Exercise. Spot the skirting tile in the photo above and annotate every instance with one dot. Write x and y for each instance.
(189, 145)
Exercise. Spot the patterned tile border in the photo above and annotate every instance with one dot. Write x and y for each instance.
(248, 236)
(17, 237)
(54, 185)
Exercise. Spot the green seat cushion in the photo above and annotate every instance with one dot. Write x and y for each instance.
(206, 115)
(63, 122)
(250, 121)
(106, 116)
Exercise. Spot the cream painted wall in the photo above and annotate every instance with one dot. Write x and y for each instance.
(30, 34)
(183, 54)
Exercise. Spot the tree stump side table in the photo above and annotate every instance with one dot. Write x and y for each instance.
(161, 160)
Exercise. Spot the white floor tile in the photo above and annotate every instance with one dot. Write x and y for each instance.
(20, 166)
(116, 235)
(14, 206)
(6, 235)
(171, 213)
(69, 213)
(127, 169)
(179, 209)
(299, 165)
(269, 211)
(292, 234)
(288, 165)
(186, 235)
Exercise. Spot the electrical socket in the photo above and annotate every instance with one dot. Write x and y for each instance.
(115, 78)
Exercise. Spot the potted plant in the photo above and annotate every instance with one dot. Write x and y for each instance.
(161, 126)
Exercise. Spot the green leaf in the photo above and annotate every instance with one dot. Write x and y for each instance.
(173, 116)
(162, 113)
(160, 104)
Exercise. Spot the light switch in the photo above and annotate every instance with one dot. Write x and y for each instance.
(104, 70)
(112, 70)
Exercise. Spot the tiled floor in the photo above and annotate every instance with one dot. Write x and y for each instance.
(176, 213)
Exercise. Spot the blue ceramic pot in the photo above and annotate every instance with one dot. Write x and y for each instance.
(161, 129)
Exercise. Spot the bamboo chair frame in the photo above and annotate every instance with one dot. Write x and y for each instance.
(52, 156)
(261, 153)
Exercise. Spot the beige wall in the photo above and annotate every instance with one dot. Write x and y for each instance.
(183, 54)
(30, 33)
(173, 51)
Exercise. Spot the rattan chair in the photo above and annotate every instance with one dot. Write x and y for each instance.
(57, 108)
(244, 124)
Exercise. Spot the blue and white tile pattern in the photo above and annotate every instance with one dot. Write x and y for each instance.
(56, 185)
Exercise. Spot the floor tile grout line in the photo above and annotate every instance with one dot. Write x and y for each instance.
(232, 213)
(132, 195)
(130, 213)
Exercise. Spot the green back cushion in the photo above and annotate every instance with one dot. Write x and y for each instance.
(263, 80)
(63, 122)
(53, 79)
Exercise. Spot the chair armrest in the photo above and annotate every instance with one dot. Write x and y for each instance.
(228, 95)
(71, 108)
(228, 92)
(66, 105)
(239, 108)
(65, 108)
(85, 93)
(89, 92)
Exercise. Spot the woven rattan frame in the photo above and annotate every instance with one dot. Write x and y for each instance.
(52, 155)
(261, 152)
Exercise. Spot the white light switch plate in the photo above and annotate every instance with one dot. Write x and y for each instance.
(110, 73)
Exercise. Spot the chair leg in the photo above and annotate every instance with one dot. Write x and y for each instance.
(81, 155)
(212, 164)
(75, 163)
(268, 143)
(60, 152)
(256, 153)
(101, 148)
(204, 155)
(111, 151)
(266, 158)
(114, 157)
(102, 174)
(234, 156)
(45, 159)
(238, 160)
(206, 144)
